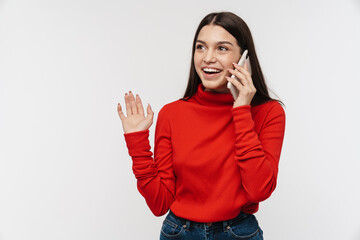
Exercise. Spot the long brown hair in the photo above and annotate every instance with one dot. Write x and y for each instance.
(239, 29)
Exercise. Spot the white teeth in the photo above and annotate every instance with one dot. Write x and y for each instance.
(210, 70)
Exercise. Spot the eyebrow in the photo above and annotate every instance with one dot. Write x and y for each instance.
(221, 42)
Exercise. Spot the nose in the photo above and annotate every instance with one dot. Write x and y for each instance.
(209, 57)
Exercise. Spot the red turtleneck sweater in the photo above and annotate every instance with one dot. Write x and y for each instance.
(211, 160)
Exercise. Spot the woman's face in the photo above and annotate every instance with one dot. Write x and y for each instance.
(215, 51)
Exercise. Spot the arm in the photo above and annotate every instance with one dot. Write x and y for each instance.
(156, 180)
(257, 155)
(155, 176)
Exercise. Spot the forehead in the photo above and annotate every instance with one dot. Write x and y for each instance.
(215, 33)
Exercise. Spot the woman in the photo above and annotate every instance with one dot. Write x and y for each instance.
(215, 158)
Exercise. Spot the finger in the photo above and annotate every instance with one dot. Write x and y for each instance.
(133, 103)
(239, 75)
(121, 114)
(246, 70)
(247, 78)
(127, 105)
(150, 113)
(139, 105)
(236, 83)
(243, 69)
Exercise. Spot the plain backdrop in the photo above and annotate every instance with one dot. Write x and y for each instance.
(65, 172)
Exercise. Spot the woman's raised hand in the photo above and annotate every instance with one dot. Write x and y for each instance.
(135, 120)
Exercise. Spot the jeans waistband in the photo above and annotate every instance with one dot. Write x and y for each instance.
(222, 224)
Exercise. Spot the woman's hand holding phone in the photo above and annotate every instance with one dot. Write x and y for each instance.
(243, 83)
(135, 120)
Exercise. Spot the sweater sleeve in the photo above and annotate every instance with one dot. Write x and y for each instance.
(258, 154)
(155, 176)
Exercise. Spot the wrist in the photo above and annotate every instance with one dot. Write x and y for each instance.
(130, 132)
(236, 104)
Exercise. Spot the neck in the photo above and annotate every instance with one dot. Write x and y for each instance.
(225, 90)
(210, 97)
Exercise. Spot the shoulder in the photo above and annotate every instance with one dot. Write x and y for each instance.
(271, 107)
(269, 113)
(171, 109)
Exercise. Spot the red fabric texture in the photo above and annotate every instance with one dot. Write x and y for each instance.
(211, 160)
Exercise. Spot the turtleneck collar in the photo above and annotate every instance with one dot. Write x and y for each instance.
(209, 98)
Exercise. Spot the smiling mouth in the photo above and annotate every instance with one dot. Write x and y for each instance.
(211, 71)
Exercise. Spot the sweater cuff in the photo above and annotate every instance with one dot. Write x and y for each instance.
(241, 108)
(137, 142)
(242, 117)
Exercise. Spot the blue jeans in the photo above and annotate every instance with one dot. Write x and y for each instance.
(244, 226)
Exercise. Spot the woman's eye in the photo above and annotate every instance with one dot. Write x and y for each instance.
(223, 48)
(199, 47)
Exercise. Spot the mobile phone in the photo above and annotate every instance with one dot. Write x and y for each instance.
(244, 58)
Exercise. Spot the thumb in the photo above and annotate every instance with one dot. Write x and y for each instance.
(150, 113)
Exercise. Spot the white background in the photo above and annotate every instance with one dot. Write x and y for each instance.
(64, 168)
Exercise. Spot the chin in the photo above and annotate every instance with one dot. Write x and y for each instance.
(215, 85)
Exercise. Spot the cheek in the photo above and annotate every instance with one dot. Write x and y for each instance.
(197, 59)
(228, 62)
(197, 62)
